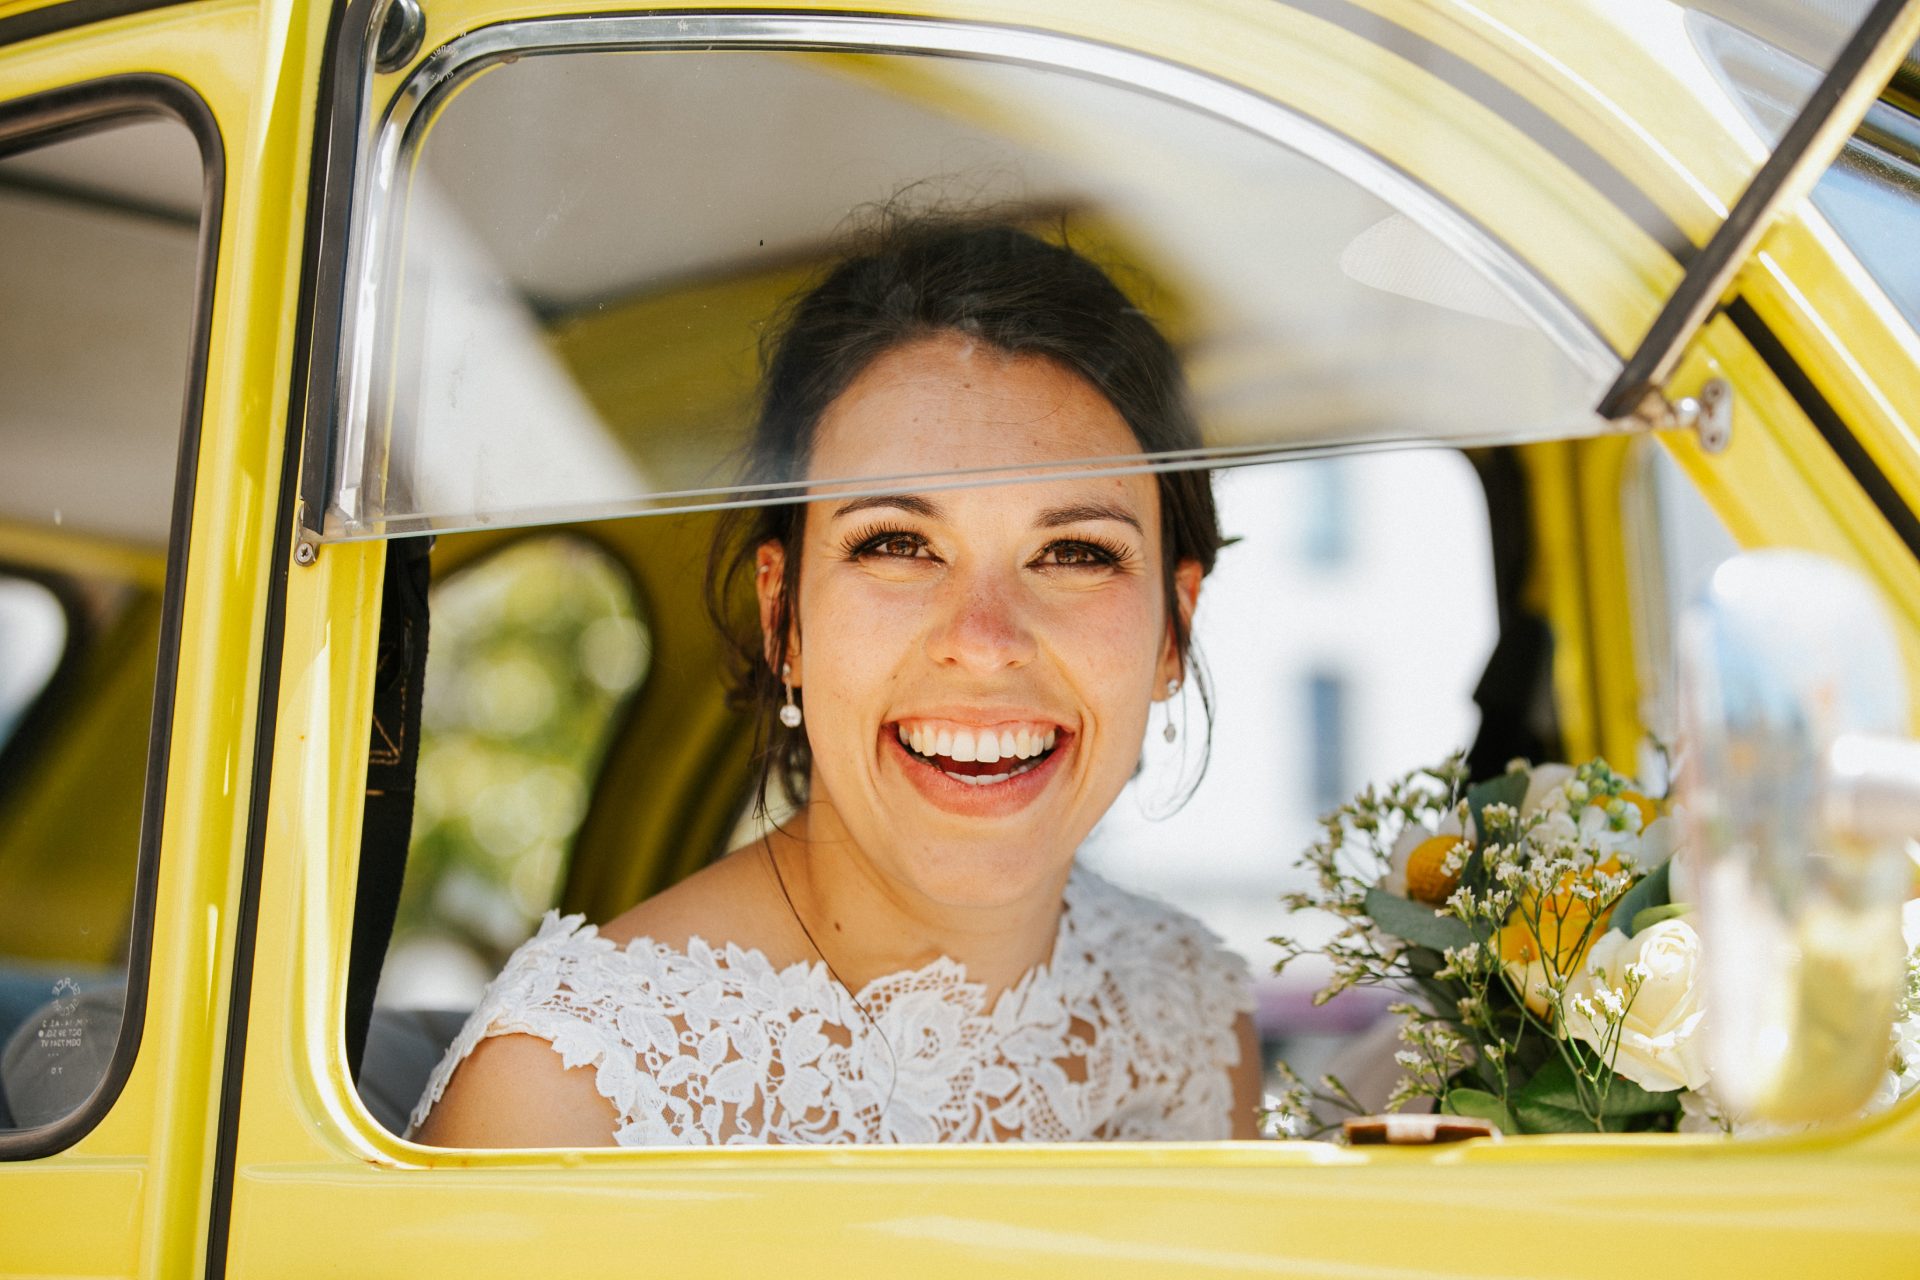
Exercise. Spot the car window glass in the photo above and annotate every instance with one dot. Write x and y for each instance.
(535, 650)
(1871, 194)
(1343, 638)
(98, 254)
(582, 341)
(1674, 543)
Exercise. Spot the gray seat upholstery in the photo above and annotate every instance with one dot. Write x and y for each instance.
(403, 1048)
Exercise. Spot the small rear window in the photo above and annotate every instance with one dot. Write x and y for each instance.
(100, 269)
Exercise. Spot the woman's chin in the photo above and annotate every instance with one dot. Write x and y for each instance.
(967, 876)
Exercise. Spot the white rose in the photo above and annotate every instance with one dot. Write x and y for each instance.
(1660, 1044)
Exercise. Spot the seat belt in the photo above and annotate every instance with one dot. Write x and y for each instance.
(392, 761)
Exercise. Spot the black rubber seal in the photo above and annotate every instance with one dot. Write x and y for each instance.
(1832, 428)
(33, 121)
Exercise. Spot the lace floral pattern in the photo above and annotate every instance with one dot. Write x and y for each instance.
(1127, 1033)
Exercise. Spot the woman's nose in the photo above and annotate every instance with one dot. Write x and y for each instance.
(982, 626)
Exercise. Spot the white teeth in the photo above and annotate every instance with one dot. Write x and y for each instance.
(984, 745)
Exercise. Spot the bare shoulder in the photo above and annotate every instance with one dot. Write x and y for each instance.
(732, 900)
(515, 1091)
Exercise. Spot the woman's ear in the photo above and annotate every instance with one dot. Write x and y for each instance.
(1186, 593)
(768, 584)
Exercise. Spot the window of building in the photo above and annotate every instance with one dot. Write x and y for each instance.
(1326, 731)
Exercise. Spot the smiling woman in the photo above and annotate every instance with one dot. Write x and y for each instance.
(953, 688)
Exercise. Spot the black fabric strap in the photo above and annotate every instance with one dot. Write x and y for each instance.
(1515, 693)
(393, 759)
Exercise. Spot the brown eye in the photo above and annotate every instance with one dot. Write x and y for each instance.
(899, 545)
(1078, 555)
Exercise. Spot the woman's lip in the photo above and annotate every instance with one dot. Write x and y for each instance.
(967, 799)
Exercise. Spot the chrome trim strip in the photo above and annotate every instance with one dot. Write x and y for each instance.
(387, 155)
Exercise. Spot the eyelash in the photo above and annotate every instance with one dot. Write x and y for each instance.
(1104, 554)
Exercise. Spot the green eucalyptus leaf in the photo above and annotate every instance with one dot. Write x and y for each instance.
(1652, 891)
(1549, 1103)
(1481, 1105)
(1654, 915)
(1626, 1099)
(1416, 922)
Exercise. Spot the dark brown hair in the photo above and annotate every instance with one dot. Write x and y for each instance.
(913, 277)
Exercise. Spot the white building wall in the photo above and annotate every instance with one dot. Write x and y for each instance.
(1405, 618)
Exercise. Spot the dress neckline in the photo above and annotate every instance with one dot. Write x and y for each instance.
(698, 949)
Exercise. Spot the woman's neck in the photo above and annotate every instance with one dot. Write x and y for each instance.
(866, 924)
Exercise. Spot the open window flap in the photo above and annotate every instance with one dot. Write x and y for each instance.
(571, 242)
(1788, 35)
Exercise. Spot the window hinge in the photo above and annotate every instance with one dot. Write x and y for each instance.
(1709, 415)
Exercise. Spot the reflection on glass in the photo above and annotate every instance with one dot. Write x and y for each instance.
(33, 634)
(582, 340)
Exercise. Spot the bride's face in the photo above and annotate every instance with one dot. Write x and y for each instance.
(978, 664)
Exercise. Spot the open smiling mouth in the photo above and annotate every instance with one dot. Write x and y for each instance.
(980, 757)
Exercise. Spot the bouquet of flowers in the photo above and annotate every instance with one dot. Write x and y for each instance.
(1538, 926)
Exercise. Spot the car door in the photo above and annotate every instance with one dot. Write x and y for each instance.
(453, 286)
(139, 445)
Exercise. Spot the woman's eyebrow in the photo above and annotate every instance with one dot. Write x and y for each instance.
(911, 503)
(1054, 517)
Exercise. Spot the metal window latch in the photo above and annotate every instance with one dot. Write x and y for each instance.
(1709, 415)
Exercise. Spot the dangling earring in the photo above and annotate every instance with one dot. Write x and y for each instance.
(1170, 733)
(789, 714)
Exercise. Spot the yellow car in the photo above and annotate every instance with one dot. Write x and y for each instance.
(1507, 322)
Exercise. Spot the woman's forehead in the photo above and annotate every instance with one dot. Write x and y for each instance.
(950, 403)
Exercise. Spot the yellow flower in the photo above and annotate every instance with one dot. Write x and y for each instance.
(1543, 941)
(1416, 866)
(1428, 880)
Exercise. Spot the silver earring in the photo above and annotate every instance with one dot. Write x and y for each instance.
(790, 713)
(1170, 733)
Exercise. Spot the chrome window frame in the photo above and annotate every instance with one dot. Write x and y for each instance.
(336, 456)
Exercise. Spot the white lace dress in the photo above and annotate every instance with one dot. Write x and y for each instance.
(1126, 1033)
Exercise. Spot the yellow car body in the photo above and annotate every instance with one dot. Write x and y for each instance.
(237, 1145)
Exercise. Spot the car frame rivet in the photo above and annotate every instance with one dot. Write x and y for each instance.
(399, 32)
